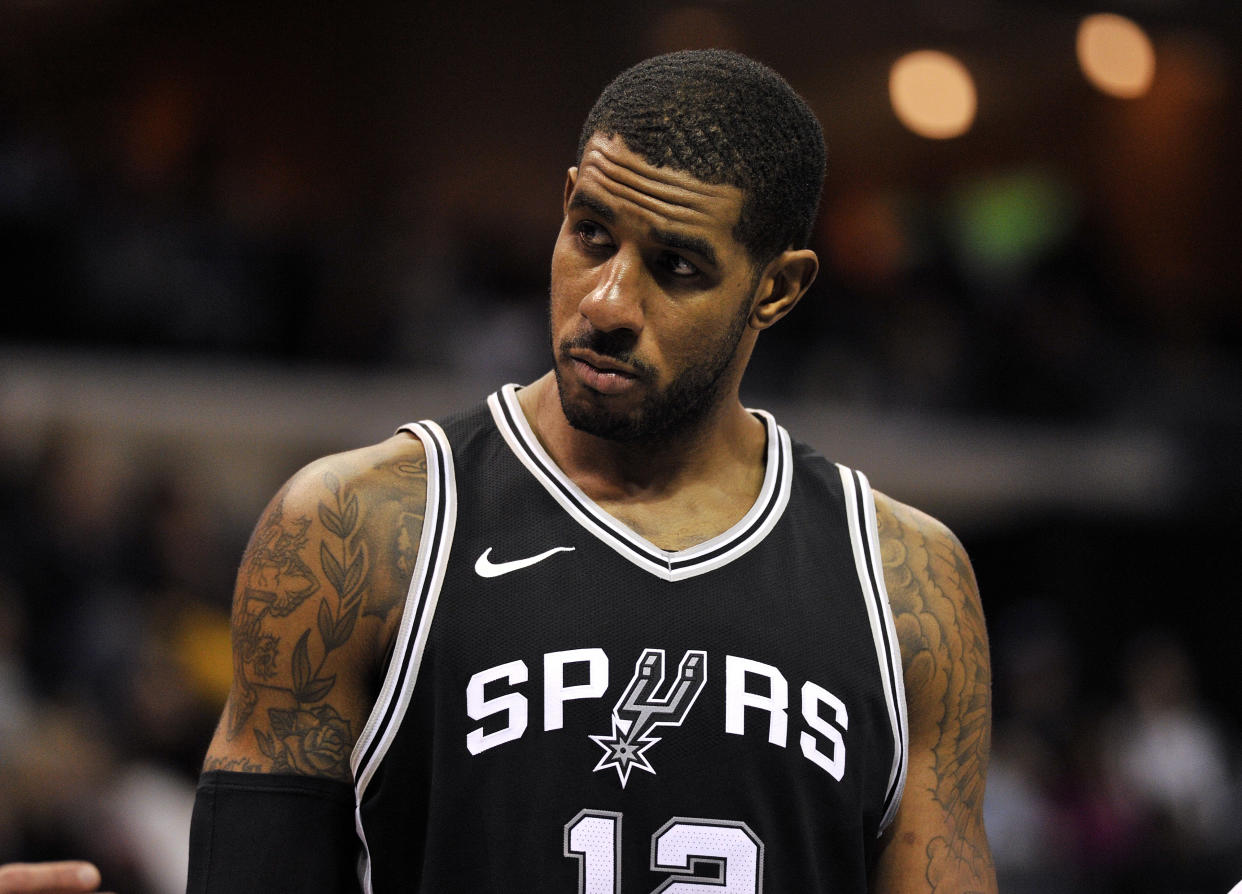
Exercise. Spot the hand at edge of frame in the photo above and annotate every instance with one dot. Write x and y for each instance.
(61, 877)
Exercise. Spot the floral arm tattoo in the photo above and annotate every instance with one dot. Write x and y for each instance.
(313, 607)
(938, 840)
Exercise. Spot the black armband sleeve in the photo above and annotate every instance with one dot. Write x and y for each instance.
(259, 832)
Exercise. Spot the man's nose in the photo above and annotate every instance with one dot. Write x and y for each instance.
(615, 302)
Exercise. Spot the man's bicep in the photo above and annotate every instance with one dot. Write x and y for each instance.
(937, 842)
(291, 689)
(318, 594)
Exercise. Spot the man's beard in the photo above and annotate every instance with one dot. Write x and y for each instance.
(661, 416)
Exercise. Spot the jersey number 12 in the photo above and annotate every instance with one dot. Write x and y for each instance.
(682, 845)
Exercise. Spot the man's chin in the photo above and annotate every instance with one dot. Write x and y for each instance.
(589, 417)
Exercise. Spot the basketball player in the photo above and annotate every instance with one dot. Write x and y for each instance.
(611, 631)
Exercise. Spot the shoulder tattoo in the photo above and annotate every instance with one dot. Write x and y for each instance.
(304, 586)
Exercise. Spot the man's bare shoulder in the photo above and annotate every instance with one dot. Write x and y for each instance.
(317, 601)
(372, 500)
(934, 597)
(922, 557)
(395, 461)
(904, 518)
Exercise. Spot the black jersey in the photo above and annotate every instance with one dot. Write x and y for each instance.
(572, 710)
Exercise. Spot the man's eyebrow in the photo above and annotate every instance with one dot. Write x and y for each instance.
(594, 205)
(667, 238)
(683, 242)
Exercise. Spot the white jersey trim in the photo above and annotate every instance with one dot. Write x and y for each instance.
(435, 544)
(865, 539)
(668, 565)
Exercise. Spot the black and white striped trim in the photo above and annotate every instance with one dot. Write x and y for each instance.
(865, 538)
(671, 566)
(439, 522)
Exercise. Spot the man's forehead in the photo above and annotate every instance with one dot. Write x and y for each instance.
(614, 173)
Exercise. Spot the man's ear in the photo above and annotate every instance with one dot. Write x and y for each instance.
(784, 281)
(571, 177)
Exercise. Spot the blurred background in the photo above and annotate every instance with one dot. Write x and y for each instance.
(238, 235)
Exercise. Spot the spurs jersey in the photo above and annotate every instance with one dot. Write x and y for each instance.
(572, 710)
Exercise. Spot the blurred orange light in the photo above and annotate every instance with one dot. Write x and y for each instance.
(1116, 55)
(932, 94)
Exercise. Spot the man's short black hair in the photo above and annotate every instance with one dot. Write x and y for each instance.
(723, 118)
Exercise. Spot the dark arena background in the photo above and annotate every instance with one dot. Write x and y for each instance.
(238, 235)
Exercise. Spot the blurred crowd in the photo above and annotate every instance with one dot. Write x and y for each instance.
(114, 658)
(1134, 794)
(1096, 288)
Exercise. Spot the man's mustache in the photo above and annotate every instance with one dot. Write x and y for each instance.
(617, 345)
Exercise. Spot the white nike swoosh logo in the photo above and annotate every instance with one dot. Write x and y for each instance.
(485, 567)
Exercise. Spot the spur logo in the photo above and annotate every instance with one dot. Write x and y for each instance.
(642, 708)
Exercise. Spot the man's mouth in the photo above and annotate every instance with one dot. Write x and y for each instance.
(602, 374)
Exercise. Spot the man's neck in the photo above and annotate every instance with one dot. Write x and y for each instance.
(674, 493)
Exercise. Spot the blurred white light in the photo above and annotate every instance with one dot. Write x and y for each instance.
(1116, 55)
(932, 94)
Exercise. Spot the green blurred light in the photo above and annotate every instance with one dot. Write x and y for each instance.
(1004, 223)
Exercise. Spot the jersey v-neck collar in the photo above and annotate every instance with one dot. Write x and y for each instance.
(672, 565)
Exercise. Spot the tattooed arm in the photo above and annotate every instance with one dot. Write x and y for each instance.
(317, 602)
(937, 843)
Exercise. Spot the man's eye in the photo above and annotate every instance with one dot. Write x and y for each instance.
(593, 235)
(678, 266)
